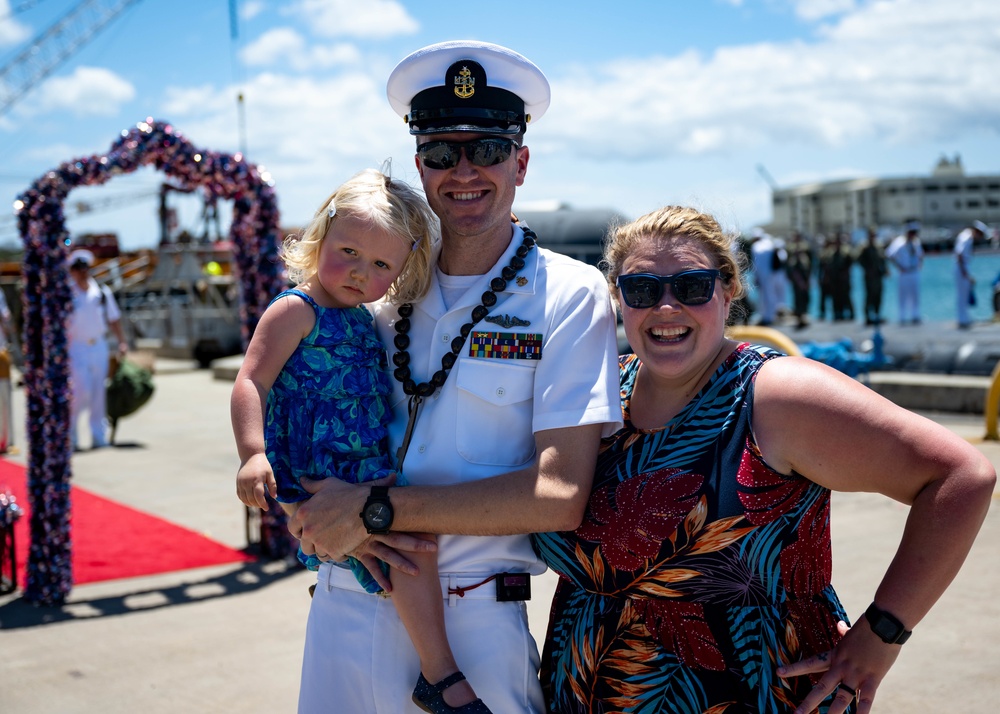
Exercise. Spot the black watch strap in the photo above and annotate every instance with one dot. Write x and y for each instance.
(886, 626)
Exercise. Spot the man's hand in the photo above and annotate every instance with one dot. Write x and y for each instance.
(329, 525)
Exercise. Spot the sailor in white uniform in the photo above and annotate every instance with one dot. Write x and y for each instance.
(907, 254)
(94, 314)
(505, 376)
(964, 281)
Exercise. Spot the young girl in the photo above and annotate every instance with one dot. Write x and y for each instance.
(312, 396)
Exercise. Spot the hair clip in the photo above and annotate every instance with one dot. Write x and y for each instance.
(415, 244)
(332, 211)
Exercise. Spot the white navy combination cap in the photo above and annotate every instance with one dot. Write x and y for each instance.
(980, 226)
(81, 255)
(465, 85)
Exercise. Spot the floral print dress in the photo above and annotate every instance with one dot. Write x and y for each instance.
(328, 410)
(697, 571)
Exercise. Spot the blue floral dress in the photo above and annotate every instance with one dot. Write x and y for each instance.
(697, 571)
(328, 410)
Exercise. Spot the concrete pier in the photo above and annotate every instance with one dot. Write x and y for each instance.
(229, 638)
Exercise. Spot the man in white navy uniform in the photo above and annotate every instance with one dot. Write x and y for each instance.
(505, 378)
(964, 281)
(907, 254)
(95, 312)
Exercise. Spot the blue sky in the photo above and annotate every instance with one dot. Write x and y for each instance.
(673, 101)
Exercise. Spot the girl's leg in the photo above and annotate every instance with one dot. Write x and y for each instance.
(420, 604)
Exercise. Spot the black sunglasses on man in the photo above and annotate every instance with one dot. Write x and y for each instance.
(488, 151)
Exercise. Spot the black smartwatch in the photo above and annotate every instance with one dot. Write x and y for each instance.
(886, 626)
(377, 513)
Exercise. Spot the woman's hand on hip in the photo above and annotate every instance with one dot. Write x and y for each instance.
(853, 669)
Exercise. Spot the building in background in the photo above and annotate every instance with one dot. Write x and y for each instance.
(944, 202)
(576, 232)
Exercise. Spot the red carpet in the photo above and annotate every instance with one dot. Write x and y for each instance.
(111, 540)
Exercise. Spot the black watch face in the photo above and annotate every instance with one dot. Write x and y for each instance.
(885, 629)
(378, 516)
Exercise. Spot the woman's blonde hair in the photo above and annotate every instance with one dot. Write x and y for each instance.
(667, 224)
(391, 205)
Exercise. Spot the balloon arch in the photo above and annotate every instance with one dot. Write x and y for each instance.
(47, 300)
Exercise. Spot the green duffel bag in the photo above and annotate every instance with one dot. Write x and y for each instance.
(129, 388)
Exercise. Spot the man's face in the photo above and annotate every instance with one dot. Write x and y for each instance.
(472, 200)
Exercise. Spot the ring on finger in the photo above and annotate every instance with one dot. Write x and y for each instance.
(853, 692)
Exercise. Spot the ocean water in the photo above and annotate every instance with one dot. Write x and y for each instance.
(938, 301)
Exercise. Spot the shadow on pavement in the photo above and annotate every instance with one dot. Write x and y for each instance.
(19, 614)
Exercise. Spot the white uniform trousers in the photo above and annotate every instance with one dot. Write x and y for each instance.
(909, 296)
(89, 373)
(358, 657)
(963, 287)
(767, 297)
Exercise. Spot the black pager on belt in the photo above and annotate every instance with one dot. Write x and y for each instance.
(512, 587)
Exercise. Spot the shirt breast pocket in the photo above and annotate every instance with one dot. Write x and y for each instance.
(495, 412)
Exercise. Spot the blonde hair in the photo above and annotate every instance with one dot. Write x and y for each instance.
(389, 204)
(667, 224)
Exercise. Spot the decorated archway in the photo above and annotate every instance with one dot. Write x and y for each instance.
(47, 301)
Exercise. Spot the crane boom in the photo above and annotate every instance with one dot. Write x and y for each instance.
(766, 175)
(53, 46)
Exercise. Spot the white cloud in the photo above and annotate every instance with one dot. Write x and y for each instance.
(311, 134)
(895, 71)
(818, 9)
(370, 19)
(204, 99)
(87, 91)
(251, 9)
(12, 32)
(285, 47)
(272, 47)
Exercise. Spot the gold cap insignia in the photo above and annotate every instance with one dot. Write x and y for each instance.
(465, 84)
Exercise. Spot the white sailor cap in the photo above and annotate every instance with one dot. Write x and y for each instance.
(980, 226)
(465, 85)
(81, 255)
(912, 226)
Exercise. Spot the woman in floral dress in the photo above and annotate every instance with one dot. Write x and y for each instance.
(699, 580)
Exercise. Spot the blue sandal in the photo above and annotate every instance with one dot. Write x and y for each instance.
(429, 697)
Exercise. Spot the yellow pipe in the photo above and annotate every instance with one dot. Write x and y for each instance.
(767, 335)
(992, 405)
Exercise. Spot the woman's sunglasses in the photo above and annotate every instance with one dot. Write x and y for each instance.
(691, 287)
(481, 152)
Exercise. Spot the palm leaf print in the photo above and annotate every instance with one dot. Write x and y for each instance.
(656, 586)
(719, 535)
(632, 519)
(647, 679)
(681, 628)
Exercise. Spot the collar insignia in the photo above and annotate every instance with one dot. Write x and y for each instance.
(506, 321)
(465, 84)
(521, 281)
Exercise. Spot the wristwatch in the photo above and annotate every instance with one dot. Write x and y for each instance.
(886, 626)
(377, 513)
